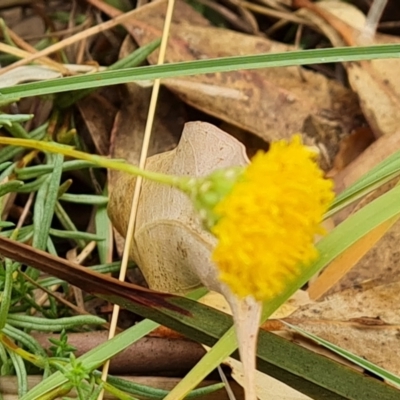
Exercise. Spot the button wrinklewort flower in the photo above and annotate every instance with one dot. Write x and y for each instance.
(268, 221)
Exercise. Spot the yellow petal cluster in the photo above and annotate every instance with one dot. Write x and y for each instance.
(269, 220)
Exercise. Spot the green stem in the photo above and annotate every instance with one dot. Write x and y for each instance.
(26, 355)
(119, 394)
(175, 181)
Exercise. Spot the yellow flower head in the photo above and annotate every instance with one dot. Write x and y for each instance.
(269, 219)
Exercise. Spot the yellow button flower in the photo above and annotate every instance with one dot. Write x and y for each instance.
(269, 220)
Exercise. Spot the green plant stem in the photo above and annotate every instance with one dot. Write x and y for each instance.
(13, 348)
(119, 394)
(175, 181)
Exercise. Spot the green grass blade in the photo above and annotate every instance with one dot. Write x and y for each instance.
(104, 230)
(361, 362)
(38, 170)
(330, 247)
(75, 235)
(311, 374)
(227, 344)
(7, 287)
(208, 326)
(132, 60)
(97, 356)
(100, 79)
(9, 152)
(376, 177)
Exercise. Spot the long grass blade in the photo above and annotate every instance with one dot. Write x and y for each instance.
(101, 79)
(361, 362)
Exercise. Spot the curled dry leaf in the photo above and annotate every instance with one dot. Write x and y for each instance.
(170, 245)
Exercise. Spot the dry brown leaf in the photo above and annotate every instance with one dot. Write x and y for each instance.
(127, 137)
(350, 148)
(376, 302)
(271, 103)
(128, 130)
(377, 82)
(30, 26)
(170, 245)
(364, 321)
(98, 114)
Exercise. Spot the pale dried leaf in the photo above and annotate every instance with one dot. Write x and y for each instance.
(32, 73)
(170, 245)
(216, 300)
(267, 388)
